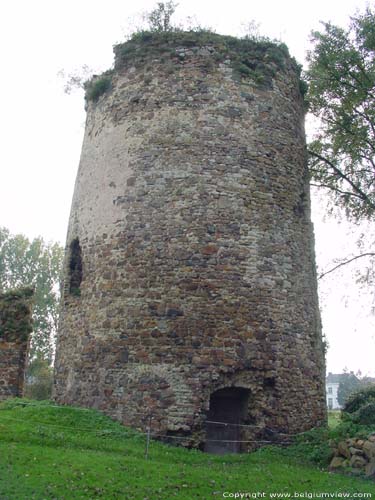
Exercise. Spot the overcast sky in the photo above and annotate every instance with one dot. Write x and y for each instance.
(42, 128)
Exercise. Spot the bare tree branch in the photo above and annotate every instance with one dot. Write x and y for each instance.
(367, 254)
(336, 190)
(341, 174)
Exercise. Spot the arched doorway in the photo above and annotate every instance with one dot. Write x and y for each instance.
(228, 408)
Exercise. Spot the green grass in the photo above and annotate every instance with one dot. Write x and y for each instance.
(94, 88)
(333, 418)
(49, 452)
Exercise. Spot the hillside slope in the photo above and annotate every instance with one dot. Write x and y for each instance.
(65, 453)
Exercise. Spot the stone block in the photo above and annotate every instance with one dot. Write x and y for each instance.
(369, 449)
(336, 463)
(357, 462)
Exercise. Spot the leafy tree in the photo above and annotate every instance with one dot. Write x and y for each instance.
(39, 379)
(159, 19)
(352, 385)
(37, 264)
(341, 94)
(349, 383)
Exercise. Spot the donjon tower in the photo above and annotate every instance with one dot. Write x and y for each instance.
(190, 289)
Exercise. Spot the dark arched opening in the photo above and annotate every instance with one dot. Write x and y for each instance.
(228, 410)
(75, 268)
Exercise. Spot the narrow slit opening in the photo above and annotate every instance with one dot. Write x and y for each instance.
(75, 268)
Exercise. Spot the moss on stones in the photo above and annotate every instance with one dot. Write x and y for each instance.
(255, 60)
(258, 60)
(15, 314)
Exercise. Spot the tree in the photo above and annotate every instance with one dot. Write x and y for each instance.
(159, 19)
(341, 94)
(349, 383)
(39, 379)
(37, 264)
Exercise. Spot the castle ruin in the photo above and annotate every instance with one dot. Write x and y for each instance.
(190, 290)
(15, 328)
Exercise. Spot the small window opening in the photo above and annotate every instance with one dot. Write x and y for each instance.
(75, 268)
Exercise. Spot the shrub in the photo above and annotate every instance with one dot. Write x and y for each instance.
(350, 429)
(359, 399)
(313, 446)
(366, 414)
(97, 86)
(40, 388)
(39, 379)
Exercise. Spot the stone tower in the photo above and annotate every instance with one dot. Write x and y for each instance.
(190, 289)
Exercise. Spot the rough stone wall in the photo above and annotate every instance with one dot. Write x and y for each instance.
(15, 327)
(192, 214)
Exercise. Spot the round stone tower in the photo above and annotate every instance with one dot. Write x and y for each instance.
(190, 290)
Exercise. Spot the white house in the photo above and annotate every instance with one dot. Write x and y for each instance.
(332, 386)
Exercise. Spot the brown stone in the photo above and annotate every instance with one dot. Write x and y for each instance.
(209, 249)
(355, 451)
(343, 449)
(337, 463)
(357, 462)
(370, 469)
(369, 450)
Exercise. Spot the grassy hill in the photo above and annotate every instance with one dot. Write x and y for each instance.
(65, 453)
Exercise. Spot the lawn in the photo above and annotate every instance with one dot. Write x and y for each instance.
(64, 453)
(334, 418)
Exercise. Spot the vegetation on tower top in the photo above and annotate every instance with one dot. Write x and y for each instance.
(254, 58)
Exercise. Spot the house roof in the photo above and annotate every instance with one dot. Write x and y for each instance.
(333, 378)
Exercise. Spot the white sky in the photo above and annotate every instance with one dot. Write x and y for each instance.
(41, 128)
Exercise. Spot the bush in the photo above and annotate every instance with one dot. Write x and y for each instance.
(97, 86)
(348, 428)
(366, 414)
(359, 399)
(39, 379)
(314, 446)
(40, 389)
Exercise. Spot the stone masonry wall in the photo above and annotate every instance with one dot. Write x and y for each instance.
(191, 242)
(15, 327)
